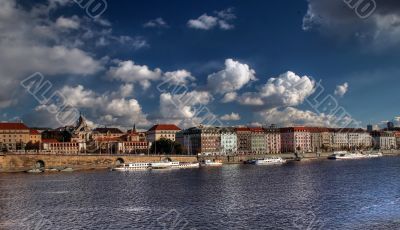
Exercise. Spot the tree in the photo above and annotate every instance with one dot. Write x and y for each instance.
(166, 146)
(32, 146)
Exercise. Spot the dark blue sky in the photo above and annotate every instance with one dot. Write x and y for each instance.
(267, 36)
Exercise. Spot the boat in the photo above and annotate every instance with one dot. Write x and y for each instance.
(270, 161)
(133, 167)
(35, 171)
(344, 155)
(210, 163)
(162, 165)
(182, 165)
(374, 155)
(67, 170)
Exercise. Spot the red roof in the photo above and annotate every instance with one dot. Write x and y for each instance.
(242, 129)
(12, 126)
(34, 132)
(165, 127)
(256, 129)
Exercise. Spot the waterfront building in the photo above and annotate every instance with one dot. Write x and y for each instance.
(243, 140)
(228, 141)
(35, 136)
(100, 133)
(397, 135)
(53, 146)
(295, 139)
(384, 140)
(133, 142)
(81, 132)
(14, 136)
(202, 140)
(350, 139)
(165, 131)
(258, 141)
(273, 140)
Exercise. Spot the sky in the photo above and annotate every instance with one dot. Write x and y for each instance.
(226, 62)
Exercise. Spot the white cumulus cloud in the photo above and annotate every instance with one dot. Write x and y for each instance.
(286, 90)
(341, 90)
(221, 19)
(230, 117)
(235, 76)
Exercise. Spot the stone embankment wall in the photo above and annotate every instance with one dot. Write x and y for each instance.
(20, 163)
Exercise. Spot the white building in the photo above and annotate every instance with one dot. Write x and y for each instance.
(228, 141)
(384, 140)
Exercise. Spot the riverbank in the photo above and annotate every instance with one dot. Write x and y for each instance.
(10, 163)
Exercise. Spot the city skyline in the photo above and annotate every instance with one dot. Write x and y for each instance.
(255, 72)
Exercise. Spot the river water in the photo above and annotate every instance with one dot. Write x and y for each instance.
(355, 194)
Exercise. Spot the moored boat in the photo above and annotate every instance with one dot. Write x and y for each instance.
(210, 163)
(132, 167)
(270, 161)
(374, 155)
(182, 165)
(344, 155)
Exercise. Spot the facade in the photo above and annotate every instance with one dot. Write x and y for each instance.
(165, 131)
(384, 140)
(100, 133)
(273, 140)
(14, 136)
(258, 141)
(53, 146)
(202, 140)
(243, 140)
(397, 135)
(228, 141)
(35, 136)
(296, 139)
(350, 139)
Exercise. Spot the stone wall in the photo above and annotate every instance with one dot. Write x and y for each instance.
(20, 163)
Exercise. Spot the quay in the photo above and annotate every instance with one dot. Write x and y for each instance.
(16, 162)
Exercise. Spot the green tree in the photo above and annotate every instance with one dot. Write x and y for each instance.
(167, 147)
(32, 146)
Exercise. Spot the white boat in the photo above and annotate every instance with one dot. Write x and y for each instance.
(270, 161)
(210, 163)
(162, 165)
(344, 155)
(375, 155)
(133, 167)
(182, 165)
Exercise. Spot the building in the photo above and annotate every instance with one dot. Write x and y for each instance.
(14, 136)
(35, 136)
(296, 139)
(228, 141)
(370, 128)
(53, 146)
(273, 140)
(81, 132)
(165, 131)
(390, 126)
(350, 139)
(100, 133)
(133, 142)
(397, 135)
(384, 140)
(243, 140)
(202, 140)
(258, 141)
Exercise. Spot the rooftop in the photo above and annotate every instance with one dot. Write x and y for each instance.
(165, 127)
(12, 126)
